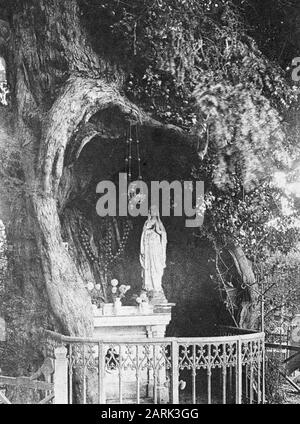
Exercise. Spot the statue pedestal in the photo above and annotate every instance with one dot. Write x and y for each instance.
(157, 298)
(131, 323)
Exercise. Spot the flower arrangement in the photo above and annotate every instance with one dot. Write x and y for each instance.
(95, 293)
(91, 286)
(118, 292)
(142, 300)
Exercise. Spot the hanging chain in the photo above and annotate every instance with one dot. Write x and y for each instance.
(129, 152)
(129, 142)
(137, 140)
(106, 256)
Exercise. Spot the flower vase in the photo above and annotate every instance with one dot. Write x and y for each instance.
(117, 305)
(143, 307)
(95, 309)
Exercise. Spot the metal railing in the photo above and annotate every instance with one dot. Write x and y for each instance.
(282, 357)
(276, 345)
(225, 369)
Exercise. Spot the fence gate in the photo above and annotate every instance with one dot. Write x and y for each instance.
(12, 389)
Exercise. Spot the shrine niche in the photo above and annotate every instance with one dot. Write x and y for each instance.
(109, 247)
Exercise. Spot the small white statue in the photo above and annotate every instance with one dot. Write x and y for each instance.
(153, 255)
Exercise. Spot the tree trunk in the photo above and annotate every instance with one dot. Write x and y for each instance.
(57, 83)
(248, 297)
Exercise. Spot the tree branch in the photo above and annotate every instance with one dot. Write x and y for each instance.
(79, 101)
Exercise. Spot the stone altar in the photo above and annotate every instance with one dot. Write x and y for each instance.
(133, 323)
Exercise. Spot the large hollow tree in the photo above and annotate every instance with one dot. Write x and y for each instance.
(67, 79)
(59, 88)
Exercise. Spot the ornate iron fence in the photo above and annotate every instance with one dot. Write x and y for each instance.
(226, 369)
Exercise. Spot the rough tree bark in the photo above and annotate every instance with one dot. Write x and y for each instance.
(248, 304)
(57, 82)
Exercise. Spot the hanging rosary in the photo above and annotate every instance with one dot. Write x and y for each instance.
(106, 256)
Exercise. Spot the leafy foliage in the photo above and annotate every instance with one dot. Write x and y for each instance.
(244, 131)
(274, 388)
(280, 274)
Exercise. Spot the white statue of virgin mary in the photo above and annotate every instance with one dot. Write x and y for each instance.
(153, 254)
